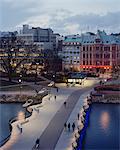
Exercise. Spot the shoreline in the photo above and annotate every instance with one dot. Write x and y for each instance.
(29, 109)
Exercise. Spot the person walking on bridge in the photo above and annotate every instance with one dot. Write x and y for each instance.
(65, 104)
(65, 125)
(73, 126)
(69, 126)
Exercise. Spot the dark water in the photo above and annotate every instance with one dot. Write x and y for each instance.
(7, 112)
(103, 132)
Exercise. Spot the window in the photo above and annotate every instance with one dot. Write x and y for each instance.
(75, 57)
(84, 48)
(84, 55)
(97, 48)
(83, 62)
(106, 55)
(113, 56)
(97, 55)
(107, 48)
(107, 63)
(90, 55)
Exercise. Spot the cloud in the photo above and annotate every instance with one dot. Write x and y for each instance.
(109, 21)
(71, 28)
(62, 16)
(65, 22)
(38, 21)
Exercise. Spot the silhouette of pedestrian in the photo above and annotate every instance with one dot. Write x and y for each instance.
(73, 126)
(69, 126)
(65, 104)
(55, 97)
(49, 98)
(78, 116)
(57, 89)
(21, 129)
(37, 143)
(65, 125)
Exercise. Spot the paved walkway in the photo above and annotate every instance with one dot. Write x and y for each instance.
(49, 121)
(68, 137)
(52, 133)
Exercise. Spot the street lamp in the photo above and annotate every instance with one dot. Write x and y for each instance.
(20, 81)
(54, 79)
(36, 73)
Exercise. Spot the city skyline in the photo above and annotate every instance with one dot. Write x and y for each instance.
(64, 17)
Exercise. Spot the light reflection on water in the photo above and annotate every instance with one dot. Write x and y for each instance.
(104, 120)
(9, 111)
(103, 131)
(21, 116)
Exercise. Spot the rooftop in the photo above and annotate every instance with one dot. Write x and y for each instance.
(90, 38)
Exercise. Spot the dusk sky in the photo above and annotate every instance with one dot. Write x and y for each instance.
(63, 16)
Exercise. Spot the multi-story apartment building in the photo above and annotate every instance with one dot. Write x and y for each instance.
(71, 53)
(96, 52)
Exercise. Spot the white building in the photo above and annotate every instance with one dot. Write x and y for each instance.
(71, 52)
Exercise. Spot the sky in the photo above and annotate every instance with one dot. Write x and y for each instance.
(63, 16)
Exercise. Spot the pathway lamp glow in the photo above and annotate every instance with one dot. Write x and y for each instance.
(20, 81)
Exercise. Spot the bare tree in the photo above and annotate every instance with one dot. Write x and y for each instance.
(13, 53)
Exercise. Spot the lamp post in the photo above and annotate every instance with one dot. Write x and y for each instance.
(36, 75)
(54, 79)
(20, 81)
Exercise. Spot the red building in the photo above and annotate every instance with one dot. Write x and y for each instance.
(98, 53)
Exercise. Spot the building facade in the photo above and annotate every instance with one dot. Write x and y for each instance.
(96, 52)
(71, 53)
(39, 35)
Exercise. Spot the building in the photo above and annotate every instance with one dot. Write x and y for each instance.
(39, 35)
(96, 52)
(46, 39)
(71, 53)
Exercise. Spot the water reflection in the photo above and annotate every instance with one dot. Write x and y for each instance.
(105, 120)
(103, 131)
(21, 116)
